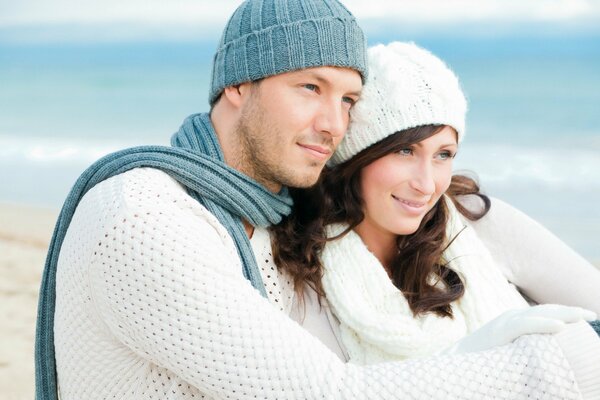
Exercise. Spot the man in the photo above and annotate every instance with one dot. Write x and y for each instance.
(158, 290)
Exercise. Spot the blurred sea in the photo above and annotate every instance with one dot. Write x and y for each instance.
(533, 132)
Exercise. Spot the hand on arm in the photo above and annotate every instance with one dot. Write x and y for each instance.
(542, 266)
(504, 329)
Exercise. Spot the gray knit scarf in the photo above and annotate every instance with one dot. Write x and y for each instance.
(196, 161)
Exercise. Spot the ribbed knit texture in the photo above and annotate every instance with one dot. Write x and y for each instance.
(270, 37)
(578, 343)
(196, 161)
(407, 87)
(596, 326)
(152, 305)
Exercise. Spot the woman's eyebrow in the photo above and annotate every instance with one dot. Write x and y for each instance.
(419, 144)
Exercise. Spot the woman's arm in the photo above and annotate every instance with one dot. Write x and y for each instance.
(542, 266)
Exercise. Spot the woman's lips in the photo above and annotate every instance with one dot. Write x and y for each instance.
(413, 207)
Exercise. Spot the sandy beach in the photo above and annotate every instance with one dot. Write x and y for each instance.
(24, 236)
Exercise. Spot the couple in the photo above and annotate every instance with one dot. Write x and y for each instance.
(161, 279)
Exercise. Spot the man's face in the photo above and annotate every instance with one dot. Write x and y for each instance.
(291, 123)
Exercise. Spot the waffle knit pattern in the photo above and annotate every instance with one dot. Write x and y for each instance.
(151, 304)
(407, 87)
(196, 161)
(270, 37)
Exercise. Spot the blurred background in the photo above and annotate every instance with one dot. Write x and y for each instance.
(81, 79)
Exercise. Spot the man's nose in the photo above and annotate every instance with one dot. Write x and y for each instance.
(332, 119)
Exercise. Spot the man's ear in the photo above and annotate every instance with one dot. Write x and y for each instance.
(237, 95)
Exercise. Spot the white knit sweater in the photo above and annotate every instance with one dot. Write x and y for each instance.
(152, 304)
(376, 321)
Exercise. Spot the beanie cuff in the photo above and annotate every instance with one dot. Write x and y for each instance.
(289, 47)
(386, 126)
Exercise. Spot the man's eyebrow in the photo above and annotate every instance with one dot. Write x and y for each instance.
(356, 93)
(316, 76)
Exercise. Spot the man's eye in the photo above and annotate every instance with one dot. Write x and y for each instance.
(349, 100)
(310, 86)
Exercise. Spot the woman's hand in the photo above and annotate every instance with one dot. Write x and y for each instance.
(545, 318)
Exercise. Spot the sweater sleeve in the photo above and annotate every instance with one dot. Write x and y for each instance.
(542, 266)
(167, 283)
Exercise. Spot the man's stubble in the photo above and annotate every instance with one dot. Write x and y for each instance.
(261, 142)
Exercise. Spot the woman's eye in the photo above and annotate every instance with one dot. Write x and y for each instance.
(310, 86)
(405, 152)
(446, 155)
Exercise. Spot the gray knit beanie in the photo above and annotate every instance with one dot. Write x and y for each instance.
(270, 37)
(408, 87)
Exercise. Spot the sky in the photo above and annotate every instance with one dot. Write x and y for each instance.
(25, 12)
(31, 19)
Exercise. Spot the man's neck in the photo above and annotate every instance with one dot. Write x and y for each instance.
(224, 124)
(248, 228)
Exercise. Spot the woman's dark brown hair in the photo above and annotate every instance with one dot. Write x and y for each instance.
(300, 238)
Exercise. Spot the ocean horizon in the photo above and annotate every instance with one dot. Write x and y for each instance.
(532, 136)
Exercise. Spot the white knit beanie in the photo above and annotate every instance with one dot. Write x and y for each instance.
(407, 87)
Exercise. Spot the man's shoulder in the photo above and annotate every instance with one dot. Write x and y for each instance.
(139, 188)
(147, 191)
(145, 201)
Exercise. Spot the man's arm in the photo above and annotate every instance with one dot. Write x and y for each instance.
(542, 266)
(168, 284)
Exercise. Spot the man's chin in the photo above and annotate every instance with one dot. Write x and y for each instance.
(301, 181)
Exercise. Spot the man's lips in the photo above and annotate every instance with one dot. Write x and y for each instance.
(316, 150)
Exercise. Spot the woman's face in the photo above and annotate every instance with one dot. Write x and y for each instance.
(400, 188)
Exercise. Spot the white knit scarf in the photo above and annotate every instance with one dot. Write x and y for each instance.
(376, 323)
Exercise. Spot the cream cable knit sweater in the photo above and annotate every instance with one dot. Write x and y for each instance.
(376, 321)
(151, 303)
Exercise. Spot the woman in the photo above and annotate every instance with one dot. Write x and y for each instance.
(391, 238)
